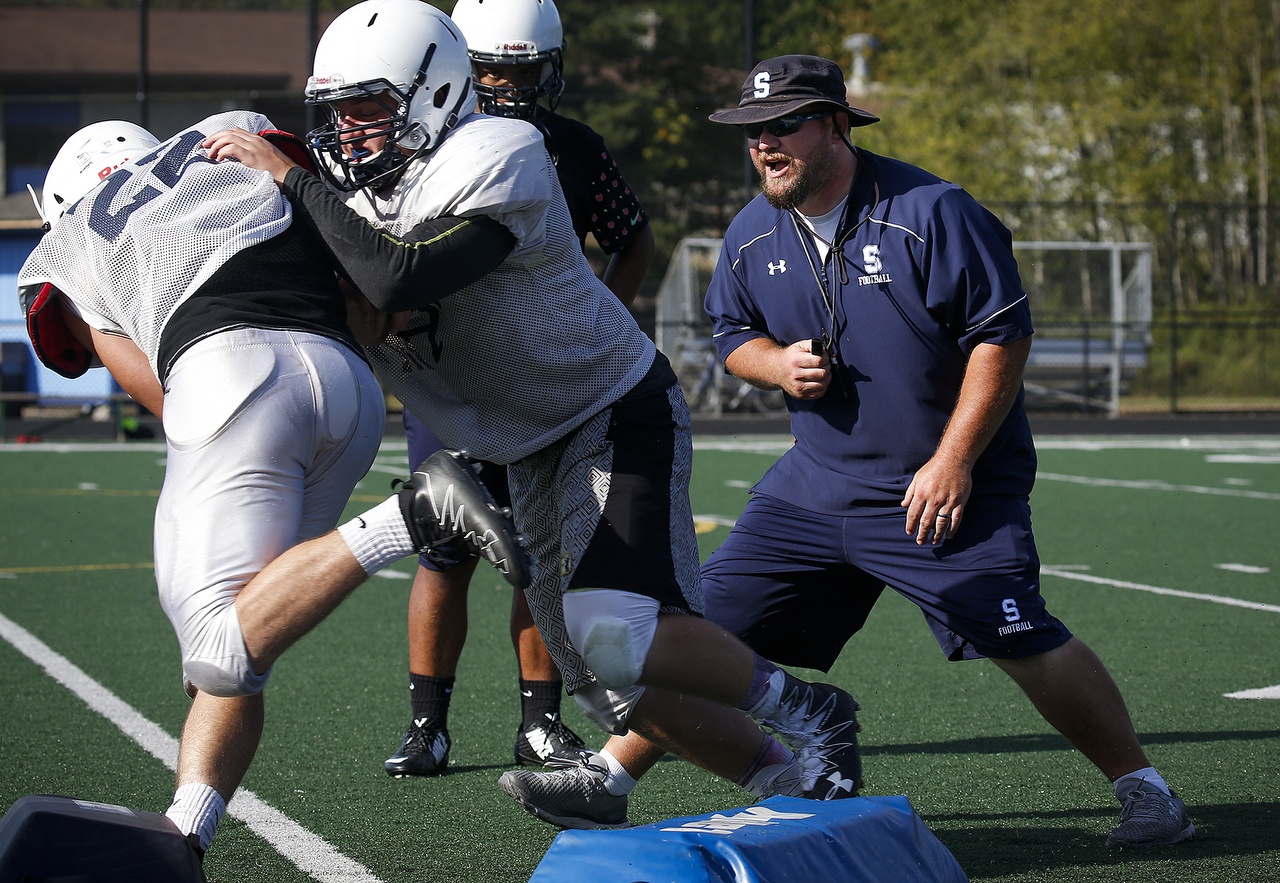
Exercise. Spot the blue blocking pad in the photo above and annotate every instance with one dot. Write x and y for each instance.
(780, 839)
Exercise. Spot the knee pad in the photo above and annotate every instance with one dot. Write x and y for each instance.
(227, 681)
(217, 663)
(608, 709)
(612, 630)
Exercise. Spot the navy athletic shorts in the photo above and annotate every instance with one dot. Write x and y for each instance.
(795, 585)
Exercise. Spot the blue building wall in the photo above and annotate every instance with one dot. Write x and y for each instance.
(20, 371)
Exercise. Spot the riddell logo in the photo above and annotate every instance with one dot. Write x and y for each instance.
(104, 172)
(517, 46)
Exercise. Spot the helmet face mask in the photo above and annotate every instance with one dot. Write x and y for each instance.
(342, 140)
(503, 33)
(402, 56)
(521, 102)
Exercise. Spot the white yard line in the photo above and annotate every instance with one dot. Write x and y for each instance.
(1157, 590)
(308, 851)
(1261, 693)
(1157, 486)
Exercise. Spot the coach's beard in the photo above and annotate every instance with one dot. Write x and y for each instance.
(802, 179)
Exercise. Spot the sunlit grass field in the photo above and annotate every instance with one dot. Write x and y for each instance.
(1162, 554)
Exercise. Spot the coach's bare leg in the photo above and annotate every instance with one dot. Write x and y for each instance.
(219, 740)
(1074, 692)
(293, 593)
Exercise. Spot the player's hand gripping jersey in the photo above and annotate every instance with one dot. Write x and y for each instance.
(132, 250)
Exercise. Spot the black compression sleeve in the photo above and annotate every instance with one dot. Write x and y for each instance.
(435, 259)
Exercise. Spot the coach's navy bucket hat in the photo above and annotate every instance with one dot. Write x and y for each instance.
(783, 85)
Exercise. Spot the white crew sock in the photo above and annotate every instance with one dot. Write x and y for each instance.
(197, 809)
(378, 537)
(618, 781)
(1126, 783)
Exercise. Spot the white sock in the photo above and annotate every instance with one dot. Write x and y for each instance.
(1126, 783)
(378, 537)
(197, 809)
(618, 781)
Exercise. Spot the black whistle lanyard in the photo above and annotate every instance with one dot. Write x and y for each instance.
(835, 254)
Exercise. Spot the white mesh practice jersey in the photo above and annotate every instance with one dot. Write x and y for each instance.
(528, 353)
(141, 242)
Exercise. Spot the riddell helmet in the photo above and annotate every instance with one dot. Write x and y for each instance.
(514, 32)
(408, 56)
(86, 159)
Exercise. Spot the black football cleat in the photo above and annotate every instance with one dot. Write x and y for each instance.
(424, 751)
(550, 744)
(446, 505)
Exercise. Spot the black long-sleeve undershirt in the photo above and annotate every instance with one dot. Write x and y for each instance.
(436, 258)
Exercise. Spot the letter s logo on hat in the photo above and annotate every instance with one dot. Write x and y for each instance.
(762, 85)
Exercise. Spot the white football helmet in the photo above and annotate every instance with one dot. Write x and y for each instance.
(408, 56)
(86, 159)
(514, 32)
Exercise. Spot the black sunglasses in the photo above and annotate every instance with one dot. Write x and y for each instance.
(782, 126)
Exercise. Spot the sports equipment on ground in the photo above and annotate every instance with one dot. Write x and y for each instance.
(572, 797)
(85, 161)
(820, 724)
(45, 837)
(444, 503)
(550, 744)
(374, 51)
(782, 838)
(424, 751)
(514, 32)
(1151, 818)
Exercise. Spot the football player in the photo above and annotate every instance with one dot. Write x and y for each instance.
(533, 363)
(517, 65)
(191, 281)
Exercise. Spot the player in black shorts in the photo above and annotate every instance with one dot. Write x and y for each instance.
(516, 51)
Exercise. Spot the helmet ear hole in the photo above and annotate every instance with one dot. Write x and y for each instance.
(441, 95)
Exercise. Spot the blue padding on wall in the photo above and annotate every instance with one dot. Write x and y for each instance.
(780, 839)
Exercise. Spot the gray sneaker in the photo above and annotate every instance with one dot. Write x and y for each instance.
(820, 723)
(1150, 817)
(573, 797)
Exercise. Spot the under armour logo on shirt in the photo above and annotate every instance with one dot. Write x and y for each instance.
(779, 267)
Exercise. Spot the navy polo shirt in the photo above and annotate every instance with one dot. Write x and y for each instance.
(923, 275)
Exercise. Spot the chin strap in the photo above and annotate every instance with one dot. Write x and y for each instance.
(44, 222)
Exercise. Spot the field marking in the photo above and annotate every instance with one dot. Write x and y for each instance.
(73, 568)
(1236, 567)
(1158, 590)
(1260, 693)
(1157, 486)
(312, 854)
